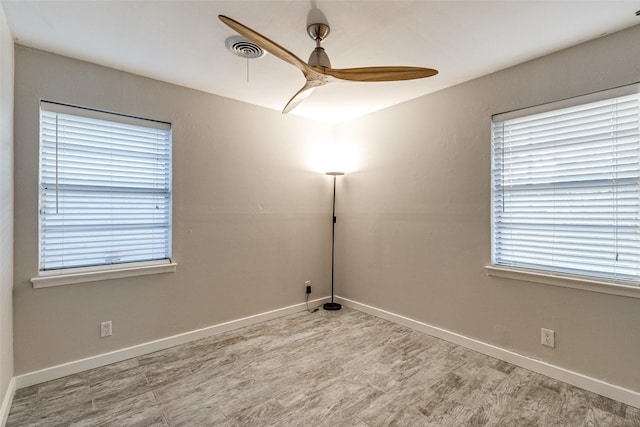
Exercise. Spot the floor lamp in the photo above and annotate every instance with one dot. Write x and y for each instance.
(333, 305)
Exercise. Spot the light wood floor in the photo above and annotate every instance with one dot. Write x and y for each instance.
(342, 368)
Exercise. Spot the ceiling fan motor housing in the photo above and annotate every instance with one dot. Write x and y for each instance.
(319, 58)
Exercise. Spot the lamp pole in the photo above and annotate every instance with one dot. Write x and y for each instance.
(333, 305)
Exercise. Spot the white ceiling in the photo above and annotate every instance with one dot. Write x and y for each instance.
(182, 42)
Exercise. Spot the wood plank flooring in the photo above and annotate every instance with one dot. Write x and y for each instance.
(342, 368)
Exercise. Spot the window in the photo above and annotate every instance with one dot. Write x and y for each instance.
(566, 188)
(105, 190)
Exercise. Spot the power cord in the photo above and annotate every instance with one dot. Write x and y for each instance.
(311, 310)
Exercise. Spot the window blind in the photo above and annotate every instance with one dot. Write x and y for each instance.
(566, 190)
(105, 188)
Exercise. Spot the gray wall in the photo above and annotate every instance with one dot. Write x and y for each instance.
(413, 234)
(251, 220)
(6, 205)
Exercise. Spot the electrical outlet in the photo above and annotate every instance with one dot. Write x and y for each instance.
(548, 338)
(106, 329)
(307, 286)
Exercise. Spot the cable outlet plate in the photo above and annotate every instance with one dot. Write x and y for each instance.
(106, 329)
(548, 337)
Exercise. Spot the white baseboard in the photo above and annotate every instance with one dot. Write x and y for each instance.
(612, 391)
(594, 385)
(97, 361)
(5, 404)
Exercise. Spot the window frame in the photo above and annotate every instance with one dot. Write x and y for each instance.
(118, 269)
(549, 277)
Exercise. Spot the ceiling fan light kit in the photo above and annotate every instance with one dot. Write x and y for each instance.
(317, 71)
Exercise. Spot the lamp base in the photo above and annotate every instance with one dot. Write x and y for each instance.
(332, 306)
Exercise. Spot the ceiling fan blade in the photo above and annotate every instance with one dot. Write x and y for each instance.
(301, 95)
(378, 74)
(267, 44)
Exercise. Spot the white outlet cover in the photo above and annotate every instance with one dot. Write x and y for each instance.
(548, 337)
(105, 329)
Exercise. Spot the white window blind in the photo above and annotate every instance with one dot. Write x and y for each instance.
(566, 190)
(105, 188)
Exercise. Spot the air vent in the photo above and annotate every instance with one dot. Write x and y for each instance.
(244, 48)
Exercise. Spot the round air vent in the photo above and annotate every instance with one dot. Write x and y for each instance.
(244, 48)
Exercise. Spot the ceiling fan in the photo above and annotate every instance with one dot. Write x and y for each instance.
(318, 70)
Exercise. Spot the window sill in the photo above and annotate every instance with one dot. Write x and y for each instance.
(94, 276)
(604, 287)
